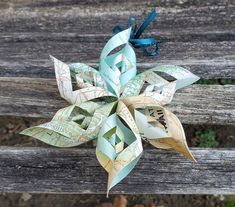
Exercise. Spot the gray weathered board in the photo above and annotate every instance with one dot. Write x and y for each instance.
(197, 104)
(76, 32)
(199, 35)
(195, 34)
(77, 171)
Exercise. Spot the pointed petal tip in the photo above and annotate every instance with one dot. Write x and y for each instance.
(107, 193)
(52, 57)
(194, 160)
(26, 132)
(191, 157)
(195, 77)
(23, 132)
(127, 31)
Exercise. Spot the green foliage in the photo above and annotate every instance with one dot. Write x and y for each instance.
(227, 81)
(216, 81)
(207, 82)
(207, 138)
(229, 202)
(139, 199)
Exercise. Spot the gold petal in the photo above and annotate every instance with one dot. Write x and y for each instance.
(177, 141)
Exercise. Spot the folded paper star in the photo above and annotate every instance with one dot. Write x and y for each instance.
(116, 106)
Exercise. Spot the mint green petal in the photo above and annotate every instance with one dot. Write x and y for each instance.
(152, 85)
(87, 74)
(111, 152)
(124, 172)
(183, 76)
(47, 133)
(134, 86)
(72, 125)
(118, 68)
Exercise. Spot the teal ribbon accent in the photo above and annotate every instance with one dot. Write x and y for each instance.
(144, 43)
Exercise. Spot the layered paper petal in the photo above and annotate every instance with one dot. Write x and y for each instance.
(118, 68)
(88, 80)
(73, 125)
(150, 84)
(161, 127)
(119, 145)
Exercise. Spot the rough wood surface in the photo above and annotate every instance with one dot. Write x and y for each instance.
(72, 16)
(197, 104)
(196, 34)
(77, 171)
(30, 58)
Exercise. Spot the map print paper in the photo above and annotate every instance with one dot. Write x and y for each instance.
(118, 107)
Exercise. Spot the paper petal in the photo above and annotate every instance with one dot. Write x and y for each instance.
(161, 127)
(183, 76)
(64, 82)
(176, 139)
(86, 76)
(118, 68)
(159, 89)
(115, 135)
(73, 125)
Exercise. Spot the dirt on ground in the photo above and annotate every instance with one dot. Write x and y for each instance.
(55, 200)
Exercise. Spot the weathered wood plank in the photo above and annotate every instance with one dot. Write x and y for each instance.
(54, 170)
(27, 55)
(202, 40)
(197, 104)
(73, 16)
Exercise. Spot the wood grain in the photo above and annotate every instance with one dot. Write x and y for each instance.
(53, 170)
(74, 16)
(76, 32)
(199, 35)
(197, 104)
(28, 55)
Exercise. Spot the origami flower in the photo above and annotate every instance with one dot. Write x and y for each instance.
(117, 107)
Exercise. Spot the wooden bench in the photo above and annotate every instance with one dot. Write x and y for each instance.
(198, 35)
